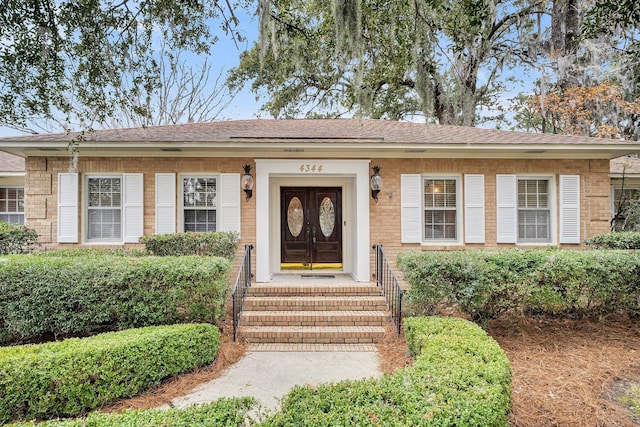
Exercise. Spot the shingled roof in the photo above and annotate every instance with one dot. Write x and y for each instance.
(630, 165)
(336, 134)
(11, 163)
(338, 130)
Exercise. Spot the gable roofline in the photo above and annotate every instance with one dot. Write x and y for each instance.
(343, 137)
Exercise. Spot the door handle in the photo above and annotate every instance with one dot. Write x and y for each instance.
(314, 235)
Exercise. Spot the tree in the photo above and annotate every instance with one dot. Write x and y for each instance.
(387, 58)
(89, 58)
(600, 111)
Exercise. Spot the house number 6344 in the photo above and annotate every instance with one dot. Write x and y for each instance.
(310, 168)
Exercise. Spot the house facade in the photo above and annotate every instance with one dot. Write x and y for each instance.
(312, 204)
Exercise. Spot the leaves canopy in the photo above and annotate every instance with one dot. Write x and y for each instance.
(388, 58)
(88, 57)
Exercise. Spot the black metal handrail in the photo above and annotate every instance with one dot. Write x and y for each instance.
(241, 288)
(388, 283)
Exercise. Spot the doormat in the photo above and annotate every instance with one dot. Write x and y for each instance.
(318, 276)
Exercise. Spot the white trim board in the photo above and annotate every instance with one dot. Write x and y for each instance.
(356, 174)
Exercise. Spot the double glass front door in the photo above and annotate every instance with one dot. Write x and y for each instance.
(311, 228)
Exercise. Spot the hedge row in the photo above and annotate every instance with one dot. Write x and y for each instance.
(43, 297)
(16, 238)
(460, 377)
(486, 284)
(222, 244)
(224, 412)
(76, 375)
(615, 240)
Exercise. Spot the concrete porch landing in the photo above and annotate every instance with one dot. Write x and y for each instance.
(313, 308)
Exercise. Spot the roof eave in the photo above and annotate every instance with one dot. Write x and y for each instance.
(274, 147)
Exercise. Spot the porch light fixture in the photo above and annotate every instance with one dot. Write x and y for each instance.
(376, 183)
(247, 182)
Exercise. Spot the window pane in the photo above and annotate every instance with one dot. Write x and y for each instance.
(104, 192)
(533, 225)
(199, 201)
(440, 202)
(104, 213)
(199, 220)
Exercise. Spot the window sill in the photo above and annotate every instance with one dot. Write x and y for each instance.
(441, 246)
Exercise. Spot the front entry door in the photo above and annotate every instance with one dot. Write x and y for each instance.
(311, 227)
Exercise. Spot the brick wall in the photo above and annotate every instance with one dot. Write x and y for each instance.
(42, 180)
(385, 215)
(41, 189)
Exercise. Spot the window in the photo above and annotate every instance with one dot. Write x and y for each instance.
(104, 208)
(12, 205)
(534, 213)
(440, 208)
(199, 203)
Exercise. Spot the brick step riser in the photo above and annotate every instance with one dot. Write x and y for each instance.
(316, 304)
(311, 337)
(276, 293)
(313, 307)
(264, 321)
(297, 340)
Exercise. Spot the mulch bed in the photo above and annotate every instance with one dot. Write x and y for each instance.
(565, 372)
(568, 373)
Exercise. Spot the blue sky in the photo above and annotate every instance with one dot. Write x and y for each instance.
(224, 55)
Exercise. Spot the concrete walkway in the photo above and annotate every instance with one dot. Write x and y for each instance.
(269, 375)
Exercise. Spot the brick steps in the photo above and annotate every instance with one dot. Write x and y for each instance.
(313, 334)
(345, 313)
(315, 303)
(351, 289)
(315, 318)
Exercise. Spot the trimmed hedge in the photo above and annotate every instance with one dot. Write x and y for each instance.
(16, 238)
(615, 240)
(43, 297)
(228, 412)
(223, 244)
(460, 377)
(486, 284)
(76, 375)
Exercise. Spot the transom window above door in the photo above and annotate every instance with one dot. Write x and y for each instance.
(200, 203)
(441, 214)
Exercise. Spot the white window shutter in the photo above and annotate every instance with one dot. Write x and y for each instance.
(229, 202)
(67, 208)
(132, 207)
(474, 208)
(507, 208)
(410, 201)
(165, 203)
(570, 209)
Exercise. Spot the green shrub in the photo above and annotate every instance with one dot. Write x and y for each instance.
(486, 284)
(615, 240)
(44, 296)
(227, 412)
(16, 238)
(74, 252)
(482, 283)
(223, 244)
(79, 374)
(460, 377)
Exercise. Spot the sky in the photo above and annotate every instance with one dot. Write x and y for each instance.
(224, 55)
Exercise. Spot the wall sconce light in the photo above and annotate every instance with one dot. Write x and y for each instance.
(376, 183)
(247, 182)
